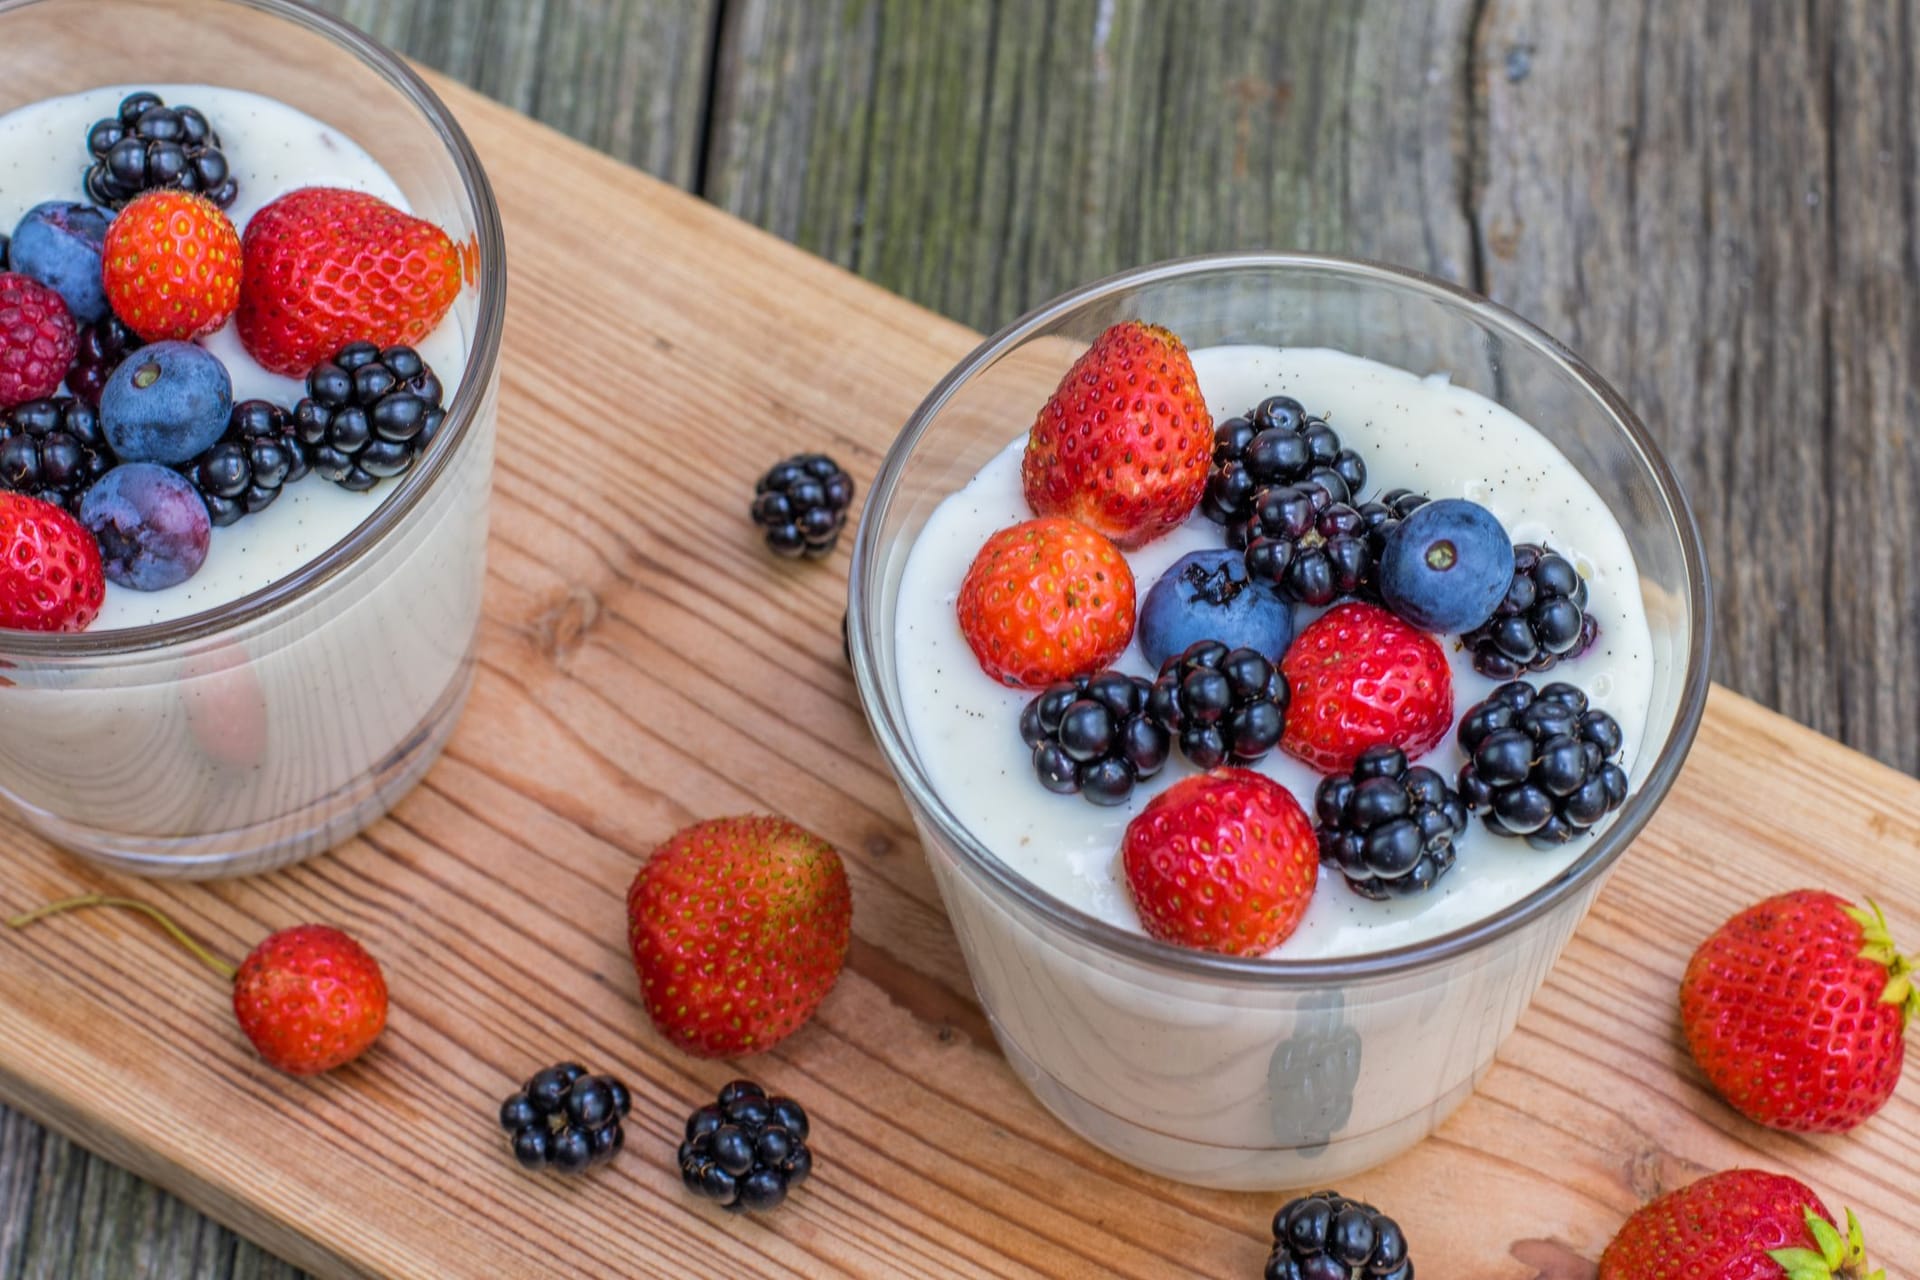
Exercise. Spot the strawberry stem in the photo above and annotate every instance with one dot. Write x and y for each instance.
(147, 909)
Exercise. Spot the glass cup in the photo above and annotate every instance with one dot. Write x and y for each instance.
(280, 724)
(1258, 1073)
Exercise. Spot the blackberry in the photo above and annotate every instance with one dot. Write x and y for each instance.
(3, 250)
(368, 414)
(1542, 621)
(1276, 443)
(148, 145)
(1312, 1074)
(1305, 542)
(102, 347)
(246, 468)
(52, 450)
(1388, 826)
(1326, 1236)
(745, 1150)
(564, 1119)
(1093, 736)
(1383, 513)
(1226, 705)
(802, 505)
(1540, 764)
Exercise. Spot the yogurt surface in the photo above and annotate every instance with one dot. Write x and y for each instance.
(1413, 432)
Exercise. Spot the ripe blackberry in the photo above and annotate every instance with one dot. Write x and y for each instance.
(246, 468)
(802, 505)
(1388, 826)
(1306, 543)
(147, 144)
(1382, 515)
(1093, 736)
(1312, 1074)
(3, 250)
(1226, 705)
(565, 1119)
(368, 414)
(102, 347)
(1540, 764)
(1276, 443)
(745, 1150)
(1542, 620)
(1326, 1236)
(52, 450)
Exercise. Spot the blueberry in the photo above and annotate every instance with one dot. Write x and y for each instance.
(1447, 566)
(168, 402)
(59, 244)
(1208, 596)
(151, 524)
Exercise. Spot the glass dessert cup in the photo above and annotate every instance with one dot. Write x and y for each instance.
(1267, 1073)
(277, 725)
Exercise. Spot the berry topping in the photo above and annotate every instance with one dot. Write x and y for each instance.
(1093, 736)
(1446, 566)
(101, 349)
(1540, 765)
(310, 999)
(1207, 595)
(1221, 861)
(368, 414)
(1228, 706)
(745, 1151)
(1383, 514)
(1046, 601)
(327, 267)
(1742, 1224)
(1361, 677)
(565, 1119)
(1297, 537)
(246, 469)
(167, 404)
(802, 505)
(148, 145)
(50, 573)
(150, 523)
(1540, 621)
(4, 243)
(59, 244)
(52, 450)
(1274, 445)
(1389, 826)
(172, 266)
(37, 340)
(1326, 1236)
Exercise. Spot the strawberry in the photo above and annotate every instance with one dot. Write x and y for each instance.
(1045, 601)
(1222, 861)
(739, 927)
(1739, 1225)
(51, 578)
(326, 267)
(171, 266)
(1124, 443)
(1362, 677)
(310, 999)
(37, 340)
(1795, 1010)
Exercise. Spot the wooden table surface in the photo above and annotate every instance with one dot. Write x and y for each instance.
(1713, 203)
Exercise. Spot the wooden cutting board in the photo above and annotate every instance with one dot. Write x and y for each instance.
(643, 664)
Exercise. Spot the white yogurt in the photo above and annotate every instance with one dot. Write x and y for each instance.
(272, 149)
(1419, 433)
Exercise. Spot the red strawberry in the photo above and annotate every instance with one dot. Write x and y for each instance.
(1362, 677)
(739, 927)
(171, 266)
(1222, 861)
(1795, 1010)
(37, 340)
(1124, 443)
(50, 573)
(1739, 1225)
(1046, 600)
(326, 267)
(310, 998)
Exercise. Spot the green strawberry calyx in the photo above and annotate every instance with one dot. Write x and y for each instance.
(1877, 945)
(1835, 1259)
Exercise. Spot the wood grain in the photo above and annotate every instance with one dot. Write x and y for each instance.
(644, 663)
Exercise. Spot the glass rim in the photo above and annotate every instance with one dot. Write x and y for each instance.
(482, 358)
(1585, 871)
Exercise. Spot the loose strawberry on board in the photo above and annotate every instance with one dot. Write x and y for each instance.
(1796, 1010)
(171, 266)
(325, 267)
(1046, 600)
(1222, 861)
(51, 578)
(739, 927)
(1362, 677)
(1124, 443)
(1742, 1224)
(37, 340)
